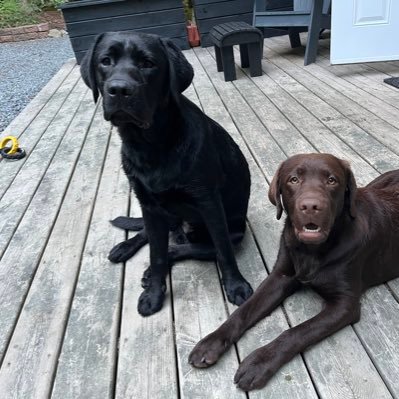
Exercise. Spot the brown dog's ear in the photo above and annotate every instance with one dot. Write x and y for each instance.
(351, 188)
(275, 191)
(180, 70)
(87, 68)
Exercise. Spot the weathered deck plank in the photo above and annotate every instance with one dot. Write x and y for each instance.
(28, 246)
(146, 362)
(359, 124)
(364, 110)
(18, 196)
(87, 362)
(29, 363)
(37, 128)
(366, 79)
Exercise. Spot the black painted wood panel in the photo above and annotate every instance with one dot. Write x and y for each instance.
(179, 41)
(116, 8)
(124, 22)
(85, 19)
(172, 31)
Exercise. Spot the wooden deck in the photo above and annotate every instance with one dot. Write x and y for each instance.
(69, 327)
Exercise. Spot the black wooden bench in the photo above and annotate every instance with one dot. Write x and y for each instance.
(250, 39)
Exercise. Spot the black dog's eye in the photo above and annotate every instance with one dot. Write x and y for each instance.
(331, 180)
(106, 61)
(146, 64)
(294, 180)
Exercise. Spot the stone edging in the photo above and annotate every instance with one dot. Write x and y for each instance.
(26, 32)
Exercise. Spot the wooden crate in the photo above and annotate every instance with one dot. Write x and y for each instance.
(85, 19)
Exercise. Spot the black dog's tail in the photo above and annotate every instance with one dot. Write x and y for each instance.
(128, 223)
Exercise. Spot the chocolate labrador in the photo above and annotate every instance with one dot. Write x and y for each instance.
(181, 164)
(337, 239)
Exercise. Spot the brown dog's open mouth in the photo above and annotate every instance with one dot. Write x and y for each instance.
(311, 233)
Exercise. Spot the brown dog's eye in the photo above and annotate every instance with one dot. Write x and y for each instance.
(331, 180)
(294, 180)
(106, 61)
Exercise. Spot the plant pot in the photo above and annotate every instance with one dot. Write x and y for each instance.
(193, 34)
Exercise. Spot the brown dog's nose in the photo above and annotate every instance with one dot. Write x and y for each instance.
(119, 88)
(310, 205)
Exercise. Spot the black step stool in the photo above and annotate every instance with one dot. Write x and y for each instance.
(250, 39)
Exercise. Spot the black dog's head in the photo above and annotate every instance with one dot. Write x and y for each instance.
(136, 74)
(314, 190)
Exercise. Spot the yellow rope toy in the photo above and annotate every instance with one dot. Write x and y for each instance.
(13, 152)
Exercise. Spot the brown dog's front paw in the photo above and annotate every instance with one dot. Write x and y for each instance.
(237, 291)
(255, 371)
(208, 351)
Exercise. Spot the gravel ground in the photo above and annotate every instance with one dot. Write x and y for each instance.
(25, 67)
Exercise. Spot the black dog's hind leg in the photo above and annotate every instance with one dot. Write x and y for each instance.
(182, 252)
(128, 223)
(199, 251)
(126, 249)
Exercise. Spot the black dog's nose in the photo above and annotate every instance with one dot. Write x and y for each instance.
(119, 88)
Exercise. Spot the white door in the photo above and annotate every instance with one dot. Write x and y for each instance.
(364, 30)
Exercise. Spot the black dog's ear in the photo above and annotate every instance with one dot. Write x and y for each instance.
(87, 68)
(180, 70)
(351, 189)
(275, 191)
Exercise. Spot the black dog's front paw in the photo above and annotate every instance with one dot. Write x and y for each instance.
(126, 249)
(146, 279)
(208, 350)
(237, 290)
(120, 252)
(256, 369)
(151, 300)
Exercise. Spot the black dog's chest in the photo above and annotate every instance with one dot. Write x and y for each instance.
(178, 204)
(150, 174)
(175, 202)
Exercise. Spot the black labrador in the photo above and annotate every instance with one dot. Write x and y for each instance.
(182, 165)
(337, 239)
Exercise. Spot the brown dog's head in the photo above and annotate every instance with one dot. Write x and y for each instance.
(313, 189)
(135, 73)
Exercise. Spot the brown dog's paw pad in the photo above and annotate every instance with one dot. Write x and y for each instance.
(250, 378)
(202, 360)
(254, 372)
(208, 351)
